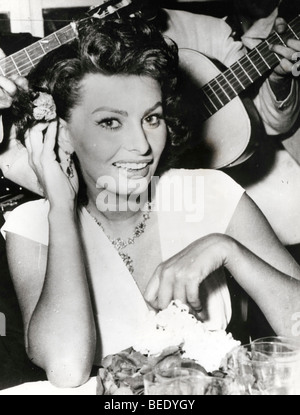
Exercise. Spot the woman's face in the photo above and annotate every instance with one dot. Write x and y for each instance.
(118, 132)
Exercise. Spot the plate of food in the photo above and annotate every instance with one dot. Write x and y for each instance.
(173, 337)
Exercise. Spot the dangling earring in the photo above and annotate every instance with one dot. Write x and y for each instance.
(70, 170)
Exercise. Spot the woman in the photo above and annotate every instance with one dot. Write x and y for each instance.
(89, 260)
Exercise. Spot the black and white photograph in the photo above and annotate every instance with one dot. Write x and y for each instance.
(150, 200)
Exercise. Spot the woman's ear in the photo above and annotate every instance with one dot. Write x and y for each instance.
(64, 137)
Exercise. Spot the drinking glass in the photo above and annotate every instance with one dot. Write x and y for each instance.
(283, 353)
(266, 367)
(186, 381)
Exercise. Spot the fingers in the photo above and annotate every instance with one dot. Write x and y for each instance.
(151, 293)
(8, 86)
(7, 91)
(40, 143)
(167, 285)
(50, 137)
(34, 144)
(2, 54)
(21, 82)
(280, 25)
(192, 295)
(170, 286)
(294, 45)
(289, 54)
(283, 51)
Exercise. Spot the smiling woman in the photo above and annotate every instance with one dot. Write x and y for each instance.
(86, 262)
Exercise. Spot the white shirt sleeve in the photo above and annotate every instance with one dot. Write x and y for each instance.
(278, 116)
(30, 221)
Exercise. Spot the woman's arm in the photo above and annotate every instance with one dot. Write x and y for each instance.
(52, 288)
(253, 255)
(276, 293)
(59, 323)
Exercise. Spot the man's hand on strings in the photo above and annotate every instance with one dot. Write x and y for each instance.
(290, 53)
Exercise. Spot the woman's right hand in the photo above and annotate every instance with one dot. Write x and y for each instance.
(180, 277)
(52, 175)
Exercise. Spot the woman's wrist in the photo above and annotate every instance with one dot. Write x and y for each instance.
(228, 248)
(62, 213)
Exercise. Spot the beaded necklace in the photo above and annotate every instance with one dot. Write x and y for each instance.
(120, 244)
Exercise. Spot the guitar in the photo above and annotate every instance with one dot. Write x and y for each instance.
(226, 128)
(21, 62)
(220, 104)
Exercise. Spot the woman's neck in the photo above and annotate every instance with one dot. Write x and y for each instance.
(115, 210)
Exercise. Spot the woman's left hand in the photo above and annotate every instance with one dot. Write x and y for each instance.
(51, 165)
(179, 277)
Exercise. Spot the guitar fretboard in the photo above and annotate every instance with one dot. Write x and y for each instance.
(20, 63)
(229, 84)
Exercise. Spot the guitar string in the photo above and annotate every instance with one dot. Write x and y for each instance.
(65, 29)
(25, 67)
(9, 61)
(260, 65)
(225, 84)
(247, 70)
(234, 80)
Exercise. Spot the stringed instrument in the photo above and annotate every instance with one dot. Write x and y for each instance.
(226, 128)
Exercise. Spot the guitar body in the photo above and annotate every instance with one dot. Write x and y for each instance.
(229, 134)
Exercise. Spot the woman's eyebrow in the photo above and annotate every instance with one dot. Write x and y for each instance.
(125, 113)
(109, 109)
(157, 105)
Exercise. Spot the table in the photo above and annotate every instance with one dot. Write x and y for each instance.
(45, 388)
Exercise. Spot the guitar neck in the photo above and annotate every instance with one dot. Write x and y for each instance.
(237, 78)
(20, 63)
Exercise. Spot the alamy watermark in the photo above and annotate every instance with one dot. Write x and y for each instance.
(2, 325)
(174, 193)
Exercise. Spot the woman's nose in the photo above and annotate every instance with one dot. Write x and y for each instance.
(138, 141)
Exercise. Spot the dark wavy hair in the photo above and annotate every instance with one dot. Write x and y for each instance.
(128, 46)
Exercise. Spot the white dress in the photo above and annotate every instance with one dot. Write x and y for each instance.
(205, 204)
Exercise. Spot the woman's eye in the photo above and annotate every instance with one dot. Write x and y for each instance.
(110, 124)
(154, 120)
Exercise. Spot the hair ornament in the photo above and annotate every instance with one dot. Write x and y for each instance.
(44, 107)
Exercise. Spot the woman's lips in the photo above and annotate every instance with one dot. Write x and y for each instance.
(131, 166)
(133, 170)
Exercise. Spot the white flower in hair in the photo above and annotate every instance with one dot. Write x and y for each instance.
(44, 107)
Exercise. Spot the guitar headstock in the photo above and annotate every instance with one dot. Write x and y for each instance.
(110, 7)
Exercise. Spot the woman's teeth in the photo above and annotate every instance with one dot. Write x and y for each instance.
(131, 166)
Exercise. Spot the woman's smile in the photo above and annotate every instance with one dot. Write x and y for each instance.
(133, 169)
